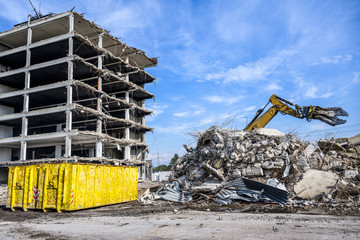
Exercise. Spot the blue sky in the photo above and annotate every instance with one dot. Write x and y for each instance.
(221, 60)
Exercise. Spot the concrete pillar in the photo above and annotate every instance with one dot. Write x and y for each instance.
(69, 92)
(71, 23)
(143, 138)
(99, 141)
(58, 146)
(92, 152)
(24, 125)
(127, 117)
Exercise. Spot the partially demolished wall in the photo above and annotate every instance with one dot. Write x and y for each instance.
(68, 88)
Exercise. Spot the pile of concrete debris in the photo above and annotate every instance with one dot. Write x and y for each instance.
(326, 171)
(3, 192)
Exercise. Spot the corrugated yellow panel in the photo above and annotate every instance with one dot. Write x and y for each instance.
(70, 186)
(97, 190)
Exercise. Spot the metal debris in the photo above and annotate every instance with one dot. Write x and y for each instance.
(239, 164)
(174, 192)
(249, 190)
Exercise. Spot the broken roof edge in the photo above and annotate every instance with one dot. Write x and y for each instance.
(107, 72)
(34, 23)
(49, 18)
(107, 33)
(107, 53)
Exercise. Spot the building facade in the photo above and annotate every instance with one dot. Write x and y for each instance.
(70, 89)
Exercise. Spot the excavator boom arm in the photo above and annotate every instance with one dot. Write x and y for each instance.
(263, 120)
(327, 115)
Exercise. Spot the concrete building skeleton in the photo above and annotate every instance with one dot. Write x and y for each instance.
(68, 88)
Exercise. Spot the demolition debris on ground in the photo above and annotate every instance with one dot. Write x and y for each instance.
(325, 172)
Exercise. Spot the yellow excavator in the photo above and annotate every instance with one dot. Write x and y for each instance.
(326, 115)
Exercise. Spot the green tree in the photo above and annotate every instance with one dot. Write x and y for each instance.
(173, 160)
(161, 167)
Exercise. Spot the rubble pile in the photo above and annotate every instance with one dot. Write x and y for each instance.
(324, 171)
(3, 192)
(229, 154)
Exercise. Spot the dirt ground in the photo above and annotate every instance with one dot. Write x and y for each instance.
(200, 220)
(165, 220)
(125, 221)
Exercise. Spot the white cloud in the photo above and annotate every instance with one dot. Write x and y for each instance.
(327, 95)
(181, 114)
(127, 15)
(124, 18)
(313, 92)
(252, 71)
(190, 57)
(356, 78)
(185, 127)
(207, 120)
(250, 108)
(241, 118)
(15, 12)
(182, 128)
(225, 100)
(318, 126)
(175, 99)
(198, 112)
(161, 158)
(336, 59)
(305, 89)
(157, 110)
(232, 27)
(273, 87)
(178, 128)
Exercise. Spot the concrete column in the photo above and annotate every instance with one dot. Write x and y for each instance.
(69, 112)
(92, 152)
(23, 146)
(58, 146)
(144, 171)
(143, 139)
(99, 141)
(71, 23)
(127, 116)
(24, 125)
(69, 90)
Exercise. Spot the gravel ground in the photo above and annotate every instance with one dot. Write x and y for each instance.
(187, 224)
(200, 220)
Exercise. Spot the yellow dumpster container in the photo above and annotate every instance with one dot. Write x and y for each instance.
(70, 186)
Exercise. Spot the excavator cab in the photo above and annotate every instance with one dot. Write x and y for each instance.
(326, 115)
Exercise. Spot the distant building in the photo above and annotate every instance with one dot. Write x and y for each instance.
(161, 176)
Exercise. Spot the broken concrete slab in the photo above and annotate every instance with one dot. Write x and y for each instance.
(315, 182)
(309, 150)
(327, 145)
(350, 173)
(227, 154)
(269, 132)
(354, 140)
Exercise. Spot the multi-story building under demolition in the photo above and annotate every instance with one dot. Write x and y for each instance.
(70, 90)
